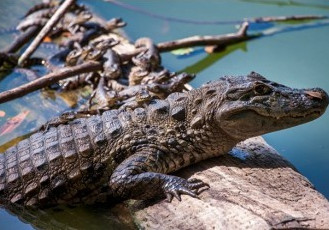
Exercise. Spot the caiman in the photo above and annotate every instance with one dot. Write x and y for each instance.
(130, 153)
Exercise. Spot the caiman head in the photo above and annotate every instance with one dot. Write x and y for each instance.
(253, 105)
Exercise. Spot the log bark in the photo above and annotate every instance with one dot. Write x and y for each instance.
(259, 190)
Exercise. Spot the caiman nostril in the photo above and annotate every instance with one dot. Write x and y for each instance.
(314, 94)
(318, 95)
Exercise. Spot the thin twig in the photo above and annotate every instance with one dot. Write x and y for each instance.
(45, 30)
(216, 22)
(167, 18)
(223, 40)
(49, 79)
(59, 74)
(287, 18)
(95, 66)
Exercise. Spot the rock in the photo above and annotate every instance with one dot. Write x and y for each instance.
(252, 188)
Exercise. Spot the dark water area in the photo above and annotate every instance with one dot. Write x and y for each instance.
(293, 54)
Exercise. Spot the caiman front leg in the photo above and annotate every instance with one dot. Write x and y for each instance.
(142, 176)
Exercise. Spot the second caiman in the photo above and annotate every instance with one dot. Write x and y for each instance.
(129, 153)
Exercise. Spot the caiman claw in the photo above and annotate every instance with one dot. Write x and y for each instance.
(178, 186)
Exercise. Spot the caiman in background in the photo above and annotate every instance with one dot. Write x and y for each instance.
(129, 153)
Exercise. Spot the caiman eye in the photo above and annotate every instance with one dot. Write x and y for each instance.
(261, 89)
(91, 55)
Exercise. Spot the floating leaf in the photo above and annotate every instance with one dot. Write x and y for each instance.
(182, 51)
(13, 123)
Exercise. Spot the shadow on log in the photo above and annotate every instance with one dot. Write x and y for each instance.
(252, 188)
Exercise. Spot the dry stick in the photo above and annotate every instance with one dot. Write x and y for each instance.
(227, 39)
(49, 79)
(223, 40)
(219, 40)
(95, 66)
(60, 74)
(45, 30)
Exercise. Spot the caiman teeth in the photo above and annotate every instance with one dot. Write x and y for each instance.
(299, 115)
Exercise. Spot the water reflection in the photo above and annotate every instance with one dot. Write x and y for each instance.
(209, 60)
(85, 217)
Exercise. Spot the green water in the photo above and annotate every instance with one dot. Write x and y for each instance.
(299, 58)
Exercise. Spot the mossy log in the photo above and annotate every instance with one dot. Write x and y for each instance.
(251, 188)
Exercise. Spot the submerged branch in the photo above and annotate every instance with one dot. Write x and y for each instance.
(45, 30)
(287, 18)
(49, 79)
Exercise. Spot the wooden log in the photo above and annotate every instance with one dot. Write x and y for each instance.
(259, 190)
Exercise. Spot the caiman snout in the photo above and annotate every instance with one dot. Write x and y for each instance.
(318, 95)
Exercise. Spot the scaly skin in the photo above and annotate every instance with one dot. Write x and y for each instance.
(41, 6)
(27, 23)
(140, 100)
(106, 99)
(112, 65)
(150, 59)
(132, 152)
(145, 62)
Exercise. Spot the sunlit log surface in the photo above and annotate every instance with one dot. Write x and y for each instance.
(256, 190)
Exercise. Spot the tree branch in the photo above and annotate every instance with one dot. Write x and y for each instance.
(49, 79)
(222, 40)
(217, 40)
(45, 30)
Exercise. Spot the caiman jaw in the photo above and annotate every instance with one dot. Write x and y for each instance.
(299, 116)
(275, 113)
(313, 104)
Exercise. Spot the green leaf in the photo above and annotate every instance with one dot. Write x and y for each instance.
(182, 51)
